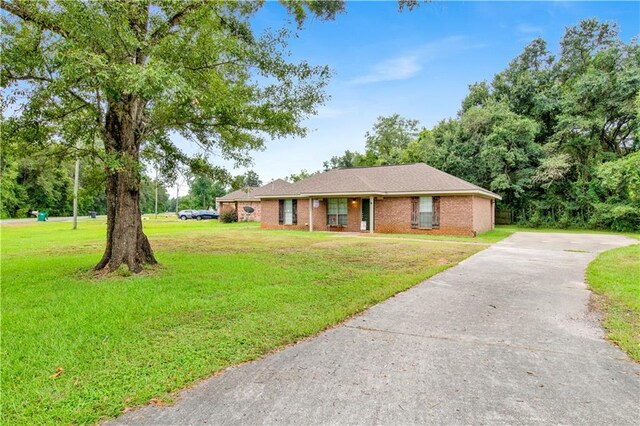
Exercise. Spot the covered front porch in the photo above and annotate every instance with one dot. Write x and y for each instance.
(342, 214)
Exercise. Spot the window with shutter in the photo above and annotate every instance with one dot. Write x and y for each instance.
(414, 211)
(281, 212)
(294, 209)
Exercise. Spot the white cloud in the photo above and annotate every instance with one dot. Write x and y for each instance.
(528, 29)
(408, 65)
(400, 68)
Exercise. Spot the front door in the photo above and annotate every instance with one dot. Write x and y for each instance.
(365, 211)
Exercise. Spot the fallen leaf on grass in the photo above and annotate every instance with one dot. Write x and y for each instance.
(58, 373)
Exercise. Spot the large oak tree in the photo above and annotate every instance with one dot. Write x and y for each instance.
(109, 78)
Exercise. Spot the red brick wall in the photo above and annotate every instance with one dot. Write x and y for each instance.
(255, 216)
(270, 216)
(226, 207)
(482, 214)
(393, 215)
(270, 213)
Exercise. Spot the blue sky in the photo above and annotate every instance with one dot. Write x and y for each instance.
(418, 64)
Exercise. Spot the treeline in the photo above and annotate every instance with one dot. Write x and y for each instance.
(43, 181)
(557, 136)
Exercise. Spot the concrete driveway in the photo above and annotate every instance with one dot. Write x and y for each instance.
(506, 336)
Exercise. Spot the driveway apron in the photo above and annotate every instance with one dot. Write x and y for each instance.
(506, 336)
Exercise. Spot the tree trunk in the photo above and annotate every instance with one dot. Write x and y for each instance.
(126, 242)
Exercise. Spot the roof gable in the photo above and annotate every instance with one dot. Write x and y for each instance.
(254, 193)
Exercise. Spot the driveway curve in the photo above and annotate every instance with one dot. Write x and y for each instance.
(506, 336)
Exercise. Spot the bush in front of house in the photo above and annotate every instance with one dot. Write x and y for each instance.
(229, 217)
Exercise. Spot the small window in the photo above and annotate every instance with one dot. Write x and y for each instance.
(337, 211)
(426, 212)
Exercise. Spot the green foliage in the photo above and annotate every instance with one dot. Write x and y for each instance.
(12, 195)
(148, 196)
(40, 182)
(348, 159)
(204, 192)
(190, 66)
(294, 177)
(386, 144)
(247, 180)
(388, 139)
(229, 217)
(618, 217)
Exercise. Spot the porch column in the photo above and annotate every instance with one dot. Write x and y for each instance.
(310, 214)
(372, 214)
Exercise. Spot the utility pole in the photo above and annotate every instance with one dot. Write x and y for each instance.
(156, 191)
(177, 197)
(75, 194)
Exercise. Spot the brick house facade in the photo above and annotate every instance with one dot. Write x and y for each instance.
(459, 215)
(413, 198)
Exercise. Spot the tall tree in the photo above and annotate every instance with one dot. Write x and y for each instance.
(248, 180)
(385, 144)
(388, 138)
(295, 177)
(114, 76)
(348, 159)
(205, 190)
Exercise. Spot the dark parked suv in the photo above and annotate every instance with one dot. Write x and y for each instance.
(206, 214)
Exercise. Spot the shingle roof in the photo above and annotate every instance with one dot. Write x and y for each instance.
(254, 193)
(273, 187)
(416, 178)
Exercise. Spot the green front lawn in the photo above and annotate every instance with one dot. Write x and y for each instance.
(77, 349)
(615, 275)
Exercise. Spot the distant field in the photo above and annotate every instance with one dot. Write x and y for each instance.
(77, 349)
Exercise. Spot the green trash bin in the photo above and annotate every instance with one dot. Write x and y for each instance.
(43, 216)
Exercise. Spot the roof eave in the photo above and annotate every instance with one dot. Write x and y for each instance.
(484, 193)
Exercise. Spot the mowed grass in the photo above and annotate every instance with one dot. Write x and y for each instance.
(499, 233)
(615, 274)
(77, 348)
